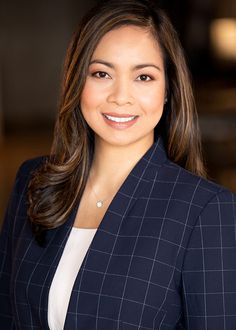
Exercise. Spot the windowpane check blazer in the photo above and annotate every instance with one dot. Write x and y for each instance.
(163, 257)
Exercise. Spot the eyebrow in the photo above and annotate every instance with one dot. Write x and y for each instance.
(135, 67)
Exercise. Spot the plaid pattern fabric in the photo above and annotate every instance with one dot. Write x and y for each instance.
(163, 257)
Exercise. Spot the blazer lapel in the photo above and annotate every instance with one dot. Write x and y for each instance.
(98, 256)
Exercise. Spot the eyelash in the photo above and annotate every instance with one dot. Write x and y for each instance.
(145, 75)
(97, 73)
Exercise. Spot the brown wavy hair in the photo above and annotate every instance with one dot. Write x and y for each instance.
(58, 184)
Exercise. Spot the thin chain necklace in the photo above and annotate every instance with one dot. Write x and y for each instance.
(99, 201)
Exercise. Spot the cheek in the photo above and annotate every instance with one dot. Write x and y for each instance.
(90, 98)
(152, 101)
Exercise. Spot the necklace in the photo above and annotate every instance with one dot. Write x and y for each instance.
(99, 202)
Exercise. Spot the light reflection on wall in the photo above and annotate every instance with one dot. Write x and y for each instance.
(223, 38)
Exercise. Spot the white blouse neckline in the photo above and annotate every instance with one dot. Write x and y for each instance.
(72, 257)
(78, 228)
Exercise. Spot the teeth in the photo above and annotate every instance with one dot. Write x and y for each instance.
(120, 119)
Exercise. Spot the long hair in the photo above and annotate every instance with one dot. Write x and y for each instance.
(58, 184)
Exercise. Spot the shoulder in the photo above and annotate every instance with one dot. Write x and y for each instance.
(24, 174)
(30, 165)
(190, 182)
(22, 179)
(17, 203)
(190, 194)
(26, 169)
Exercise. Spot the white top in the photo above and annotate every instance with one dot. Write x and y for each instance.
(73, 255)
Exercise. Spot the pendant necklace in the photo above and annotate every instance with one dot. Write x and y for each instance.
(99, 202)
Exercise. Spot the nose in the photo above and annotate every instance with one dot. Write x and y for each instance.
(120, 93)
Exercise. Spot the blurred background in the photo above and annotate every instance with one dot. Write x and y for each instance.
(34, 36)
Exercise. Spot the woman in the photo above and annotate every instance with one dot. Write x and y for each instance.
(117, 228)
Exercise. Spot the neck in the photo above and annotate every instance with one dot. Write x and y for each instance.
(111, 164)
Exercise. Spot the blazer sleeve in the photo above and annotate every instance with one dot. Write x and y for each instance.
(6, 316)
(8, 232)
(209, 272)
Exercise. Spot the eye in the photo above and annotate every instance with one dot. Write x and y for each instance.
(100, 75)
(144, 77)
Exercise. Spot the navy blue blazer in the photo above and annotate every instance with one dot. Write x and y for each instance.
(163, 257)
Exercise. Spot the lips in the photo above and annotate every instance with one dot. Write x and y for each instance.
(120, 121)
(120, 118)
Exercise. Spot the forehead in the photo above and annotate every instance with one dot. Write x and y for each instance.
(129, 42)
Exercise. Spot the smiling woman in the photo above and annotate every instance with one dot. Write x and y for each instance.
(124, 93)
(118, 228)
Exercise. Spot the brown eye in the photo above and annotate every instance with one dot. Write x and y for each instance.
(144, 77)
(100, 74)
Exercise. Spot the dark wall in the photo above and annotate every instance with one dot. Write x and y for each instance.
(34, 37)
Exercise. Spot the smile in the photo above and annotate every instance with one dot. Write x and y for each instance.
(119, 119)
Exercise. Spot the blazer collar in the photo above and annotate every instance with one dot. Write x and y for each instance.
(142, 173)
(133, 186)
(137, 183)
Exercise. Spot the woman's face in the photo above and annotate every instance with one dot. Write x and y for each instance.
(123, 97)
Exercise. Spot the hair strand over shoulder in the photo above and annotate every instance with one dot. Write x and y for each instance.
(57, 186)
